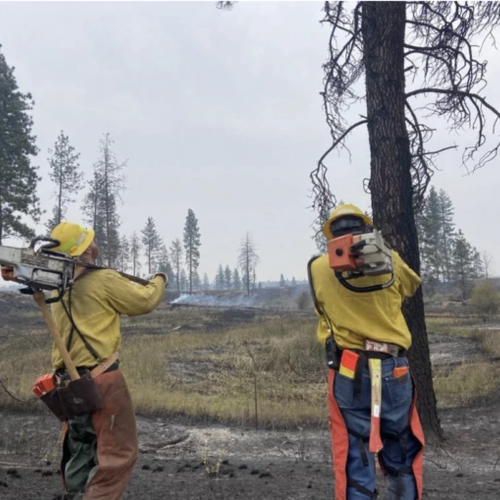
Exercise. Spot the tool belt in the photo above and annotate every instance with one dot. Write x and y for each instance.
(72, 398)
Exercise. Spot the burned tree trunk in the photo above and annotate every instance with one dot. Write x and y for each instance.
(383, 30)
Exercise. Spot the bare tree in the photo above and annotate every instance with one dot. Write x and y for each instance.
(383, 43)
(487, 264)
(247, 262)
(135, 249)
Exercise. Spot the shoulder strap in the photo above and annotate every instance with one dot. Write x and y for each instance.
(74, 328)
(315, 298)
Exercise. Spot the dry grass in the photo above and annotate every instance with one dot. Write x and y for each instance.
(211, 373)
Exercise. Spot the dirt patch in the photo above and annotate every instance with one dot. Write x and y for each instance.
(220, 462)
(447, 350)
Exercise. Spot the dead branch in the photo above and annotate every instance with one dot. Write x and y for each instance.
(10, 394)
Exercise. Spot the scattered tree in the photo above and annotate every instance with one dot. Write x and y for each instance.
(18, 177)
(228, 281)
(100, 202)
(247, 261)
(206, 282)
(487, 263)
(64, 172)
(176, 256)
(192, 245)
(135, 248)
(463, 264)
(220, 278)
(124, 251)
(164, 265)
(236, 280)
(152, 243)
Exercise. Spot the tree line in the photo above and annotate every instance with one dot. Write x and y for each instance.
(446, 255)
(19, 202)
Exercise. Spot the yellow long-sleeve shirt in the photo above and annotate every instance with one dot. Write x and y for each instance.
(359, 316)
(98, 298)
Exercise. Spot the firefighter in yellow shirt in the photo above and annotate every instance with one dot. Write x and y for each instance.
(347, 321)
(99, 450)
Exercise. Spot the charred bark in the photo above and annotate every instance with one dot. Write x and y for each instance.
(383, 30)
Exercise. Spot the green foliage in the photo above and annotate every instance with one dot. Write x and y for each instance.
(64, 172)
(282, 281)
(463, 264)
(176, 257)
(485, 299)
(236, 280)
(18, 178)
(152, 243)
(220, 278)
(228, 278)
(100, 202)
(164, 265)
(192, 243)
(206, 282)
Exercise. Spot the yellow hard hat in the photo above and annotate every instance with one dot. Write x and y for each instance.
(74, 238)
(340, 211)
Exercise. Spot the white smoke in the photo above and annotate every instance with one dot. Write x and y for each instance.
(210, 300)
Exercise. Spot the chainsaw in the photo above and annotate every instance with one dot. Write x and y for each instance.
(361, 254)
(38, 267)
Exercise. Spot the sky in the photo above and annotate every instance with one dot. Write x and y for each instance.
(217, 111)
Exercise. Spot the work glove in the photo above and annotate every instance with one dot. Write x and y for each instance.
(7, 273)
(163, 275)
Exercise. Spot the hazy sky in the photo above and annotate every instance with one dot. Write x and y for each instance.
(215, 111)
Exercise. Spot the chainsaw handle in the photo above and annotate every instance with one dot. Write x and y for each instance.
(50, 242)
(373, 288)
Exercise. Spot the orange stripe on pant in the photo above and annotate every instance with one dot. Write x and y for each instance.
(340, 442)
(117, 444)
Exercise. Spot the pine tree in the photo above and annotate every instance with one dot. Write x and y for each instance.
(64, 172)
(430, 238)
(463, 264)
(18, 178)
(100, 202)
(294, 282)
(282, 281)
(228, 279)
(247, 261)
(220, 278)
(164, 264)
(236, 280)
(206, 282)
(176, 256)
(152, 243)
(183, 281)
(192, 245)
(446, 234)
(196, 281)
(123, 260)
(135, 249)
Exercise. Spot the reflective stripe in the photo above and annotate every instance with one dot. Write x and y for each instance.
(75, 243)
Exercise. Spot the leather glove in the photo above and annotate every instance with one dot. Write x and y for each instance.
(7, 273)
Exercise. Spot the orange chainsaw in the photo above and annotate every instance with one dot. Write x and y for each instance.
(361, 254)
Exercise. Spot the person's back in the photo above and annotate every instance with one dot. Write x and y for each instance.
(359, 316)
(99, 449)
(366, 340)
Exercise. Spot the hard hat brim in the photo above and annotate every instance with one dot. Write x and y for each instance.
(326, 226)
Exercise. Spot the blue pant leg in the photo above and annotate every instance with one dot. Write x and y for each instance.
(400, 445)
(356, 414)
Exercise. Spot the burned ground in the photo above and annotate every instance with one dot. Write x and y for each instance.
(191, 457)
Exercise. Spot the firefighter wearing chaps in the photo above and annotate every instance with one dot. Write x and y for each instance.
(99, 448)
(371, 395)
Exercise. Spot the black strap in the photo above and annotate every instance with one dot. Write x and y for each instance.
(69, 314)
(361, 445)
(402, 438)
(319, 308)
(365, 491)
